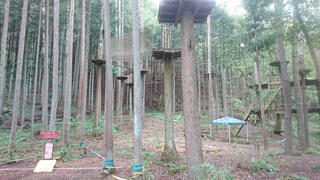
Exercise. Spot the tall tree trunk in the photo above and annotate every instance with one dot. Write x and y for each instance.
(304, 95)
(191, 104)
(16, 100)
(81, 116)
(299, 99)
(36, 72)
(68, 77)
(45, 77)
(169, 153)
(24, 82)
(137, 87)
(212, 105)
(143, 74)
(109, 101)
(217, 95)
(284, 76)
(314, 57)
(87, 56)
(199, 85)
(55, 70)
(3, 56)
(224, 91)
(264, 133)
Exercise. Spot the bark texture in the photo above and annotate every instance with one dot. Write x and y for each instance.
(3, 55)
(68, 77)
(190, 97)
(16, 100)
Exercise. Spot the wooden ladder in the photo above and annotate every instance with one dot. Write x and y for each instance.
(272, 98)
(245, 118)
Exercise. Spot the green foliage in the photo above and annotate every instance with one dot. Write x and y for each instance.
(264, 165)
(147, 157)
(175, 168)
(208, 171)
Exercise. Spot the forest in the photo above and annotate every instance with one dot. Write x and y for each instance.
(160, 89)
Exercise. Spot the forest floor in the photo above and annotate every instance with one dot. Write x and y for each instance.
(223, 160)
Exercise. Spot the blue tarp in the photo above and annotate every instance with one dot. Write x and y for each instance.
(229, 121)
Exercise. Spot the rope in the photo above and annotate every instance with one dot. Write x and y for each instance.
(85, 148)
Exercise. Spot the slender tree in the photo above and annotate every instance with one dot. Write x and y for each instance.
(191, 104)
(82, 95)
(137, 87)
(35, 83)
(17, 89)
(55, 70)
(298, 97)
(109, 99)
(3, 55)
(68, 77)
(212, 105)
(304, 95)
(45, 77)
(284, 76)
(260, 99)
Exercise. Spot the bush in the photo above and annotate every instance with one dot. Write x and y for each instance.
(208, 171)
(264, 165)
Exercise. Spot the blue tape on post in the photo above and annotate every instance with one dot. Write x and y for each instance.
(108, 162)
(137, 167)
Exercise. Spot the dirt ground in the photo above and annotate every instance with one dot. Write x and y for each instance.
(236, 156)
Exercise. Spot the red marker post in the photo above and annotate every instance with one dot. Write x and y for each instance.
(48, 146)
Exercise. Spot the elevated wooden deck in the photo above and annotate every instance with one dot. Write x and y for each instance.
(170, 11)
(166, 53)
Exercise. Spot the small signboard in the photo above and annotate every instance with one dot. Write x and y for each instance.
(48, 150)
(45, 166)
(49, 135)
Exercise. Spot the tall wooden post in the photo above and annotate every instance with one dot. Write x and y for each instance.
(190, 96)
(170, 152)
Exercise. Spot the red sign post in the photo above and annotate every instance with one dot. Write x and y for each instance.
(49, 135)
(48, 146)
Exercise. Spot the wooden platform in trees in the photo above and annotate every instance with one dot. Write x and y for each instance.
(166, 53)
(170, 11)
